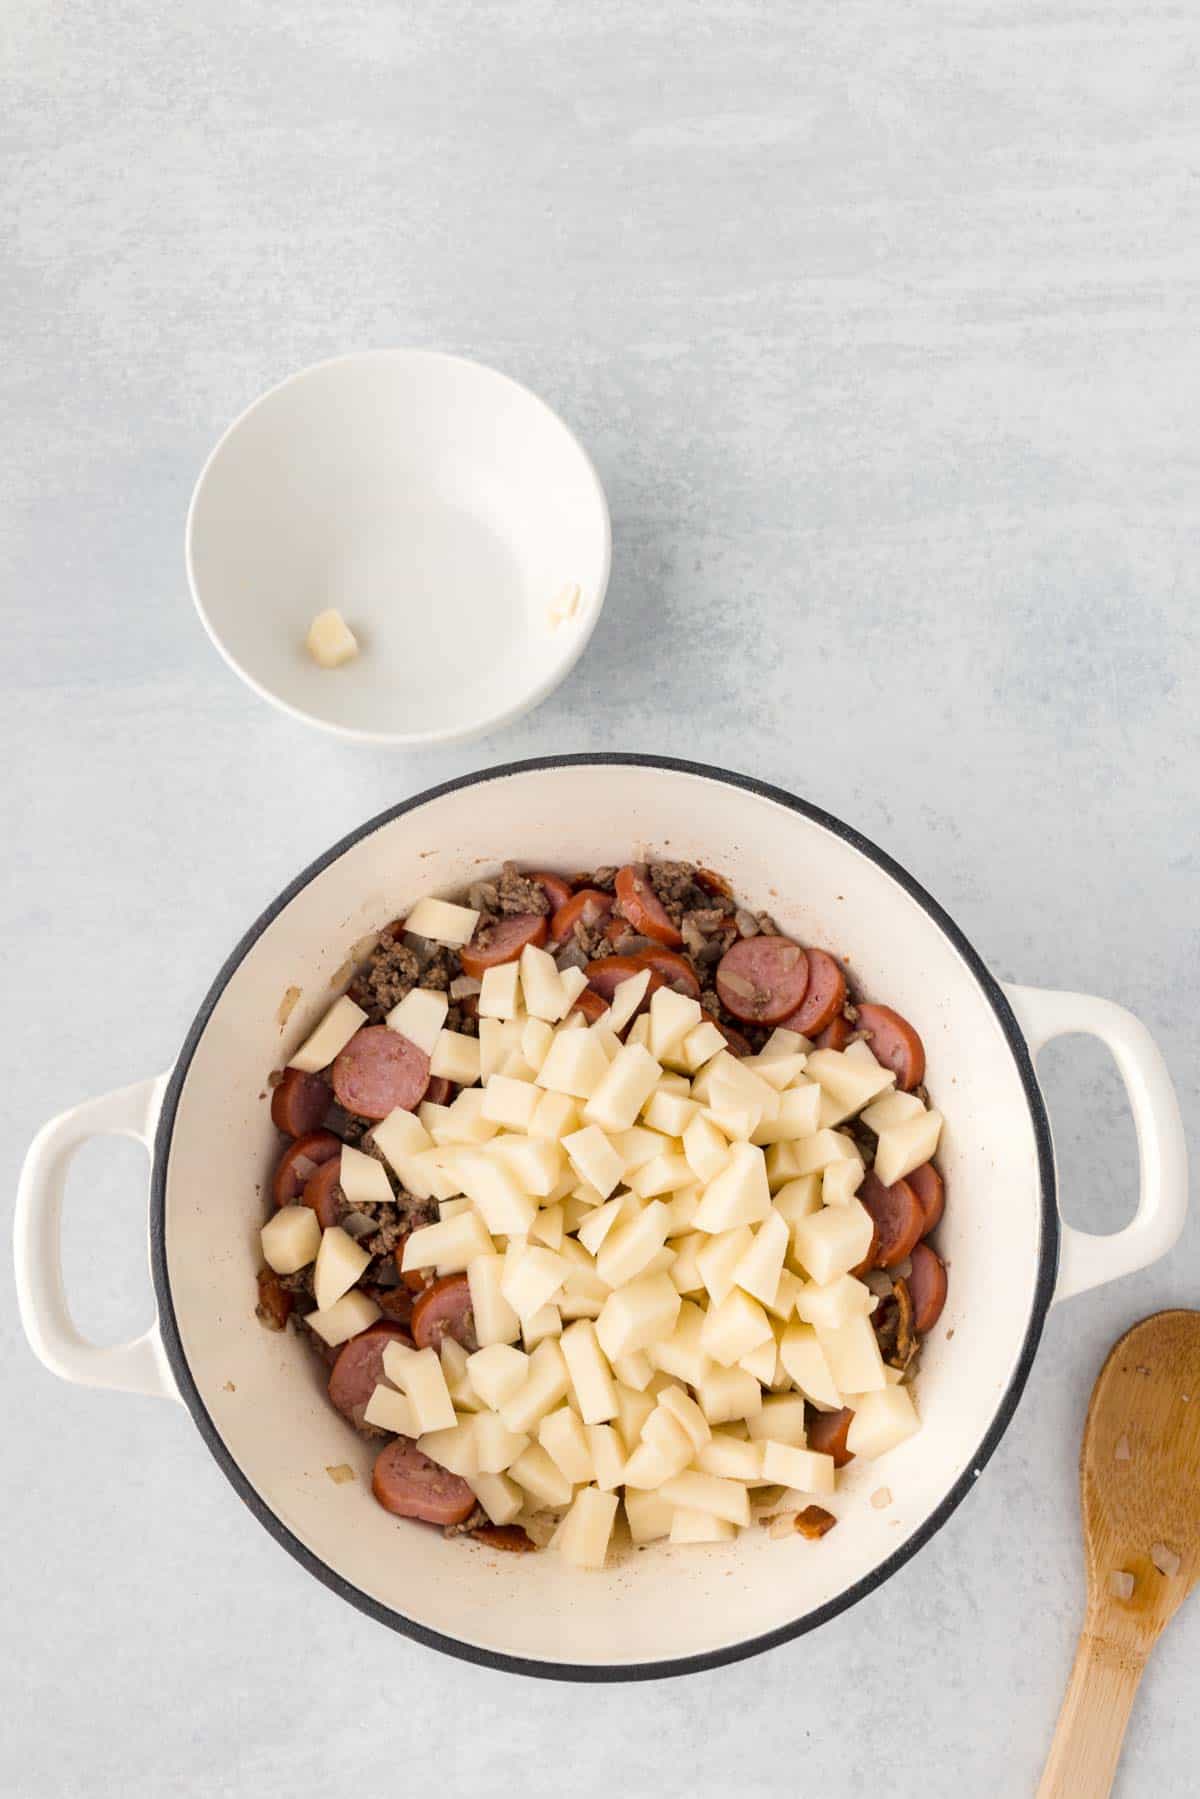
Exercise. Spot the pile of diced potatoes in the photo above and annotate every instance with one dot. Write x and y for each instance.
(658, 1239)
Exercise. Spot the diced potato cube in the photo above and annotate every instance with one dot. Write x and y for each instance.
(450, 1246)
(734, 1327)
(548, 1227)
(649, 1516)
(541, 1478)
(778, 1071)
(700, 1046)
(699, 1527)
(726, 1394)
(892, 1109)
(591, 1378)
(454, 1448)
(419, 1375)
(782, 1043)
(738, 1194)
(685, 1270)
(497, 1040)
(638, 1146)
(330, 1038)
(834, 1240)
(665, 1450)
(595, 1158)
(545, 1386)
(683, 1205)
(511, 1103)
(623, 1089)
(545, 1322)
(798, 1115)
(801, 1353)
(852, 1353)
(389, 1410)
(781, 1420)
(850, 1082)
(500, 1497)
(608, 1456)
(811, 1154)
(465, 1121)
(786, 1294)
(608, 1040)
(627, 997)
(599, 1221)
(840, 1181)
(632, 1245)
(532, 1278)
(719, 1257)
(504, 1207)
(705, 1148)
(575, 1064)
(562, 1436)
(455, 1058)
(807, 1470)
(680, 1352)
(736, 1118)
(457, 1377)
(760, 1361)
(698, 1492)
(903, 1147)
(665, 1174)
(541, 985)
(634, 1371)
(340, 1262)
(687, 1413)
(573, 983)
(829, 1307)
(639, 1314)
(536, 1038)
(760, 1266)
(500, 994)
(401, 1136)
(535, 1163)
(672, 1016)
(345, 1318)
(362, 1178)
(495, 1447)
(495, 1320)
(582, 1538)
(420, 1016)
(798, 1199)
(730, 1458)
(881, 1420)
(633, 1408)
(443, 922)
(556, 1115)
(668, 1112)
(496, 1372)
(291, 1239)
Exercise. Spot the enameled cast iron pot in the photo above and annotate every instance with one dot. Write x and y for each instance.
(257, 1397)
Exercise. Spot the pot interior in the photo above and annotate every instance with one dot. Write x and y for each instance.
(263, 1392)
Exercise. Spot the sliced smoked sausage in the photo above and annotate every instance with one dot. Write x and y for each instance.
(642, 906)
(299, 1103)
(591, 1004)
(824, 996)
(762, 979)
(893, 1042)
(379, 1070)
(899, 1218)
(589, 904)
(409, 1484)
(927, 1284)
(556, 890)
(738, 1045)
(606, 973)
(358, 1369)
(321, 1192)
(444, 1310)
(826, 1433)
(836, 1035)
(676, 970)
(929, 1188)
(502, 941)
(299, 1162)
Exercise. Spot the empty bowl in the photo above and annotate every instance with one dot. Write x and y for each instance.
(444, 510)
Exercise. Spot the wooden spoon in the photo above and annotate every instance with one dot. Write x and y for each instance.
(1140, 1493)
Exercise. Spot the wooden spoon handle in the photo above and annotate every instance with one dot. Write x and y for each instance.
(1091, 1725)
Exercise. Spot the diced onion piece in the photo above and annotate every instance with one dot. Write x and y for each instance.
(1165, 1559)
(420, 1016)
(582, 1538)
(881, 1420)
(340, 1262)
(1121, 1584)
(881, 1498)
(330, 641)
(330, 1038)
(442, 922)
(345, 1318)
(291, 1239)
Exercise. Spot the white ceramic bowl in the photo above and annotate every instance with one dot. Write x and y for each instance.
(257, 1397)
(439, 506)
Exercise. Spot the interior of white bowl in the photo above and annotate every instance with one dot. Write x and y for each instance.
(259, 1396)
(440, 507)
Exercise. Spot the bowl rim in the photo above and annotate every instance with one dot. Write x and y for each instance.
(748, 1646)
(573, 644)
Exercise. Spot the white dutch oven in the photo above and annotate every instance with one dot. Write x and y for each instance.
(257, 1397)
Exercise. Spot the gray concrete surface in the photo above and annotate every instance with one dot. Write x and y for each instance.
(881, 326)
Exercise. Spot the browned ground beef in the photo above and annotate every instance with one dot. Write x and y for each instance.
(517, 893)
(391, 971)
